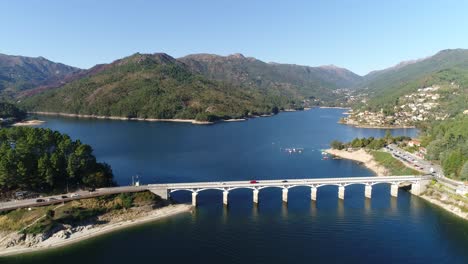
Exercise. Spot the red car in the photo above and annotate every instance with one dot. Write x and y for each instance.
(253, 181)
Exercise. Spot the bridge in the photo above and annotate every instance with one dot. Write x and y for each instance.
(418, 185)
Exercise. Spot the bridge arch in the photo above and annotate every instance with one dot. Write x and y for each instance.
(353, 183)
(327, 184)
(241, 187)
(273, 186)
(206, 189)
(176, 190)
(301, 185)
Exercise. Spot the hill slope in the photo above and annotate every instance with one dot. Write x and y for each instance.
(415, 93)
(281, 79)
(152, 86)
(18, 73)
(386, 86)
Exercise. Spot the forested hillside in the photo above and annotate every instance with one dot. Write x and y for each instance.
(447, 142)
(10, 113)
(281, 79)
(386, 87)
(158, 86)
(42, 160)
(18, 73)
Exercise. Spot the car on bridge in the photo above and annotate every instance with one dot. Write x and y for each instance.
(253, 181)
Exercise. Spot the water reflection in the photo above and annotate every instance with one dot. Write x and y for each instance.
(284, 210)
(340, 208)
(313, 208)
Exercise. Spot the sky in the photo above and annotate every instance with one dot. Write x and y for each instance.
(358, 35)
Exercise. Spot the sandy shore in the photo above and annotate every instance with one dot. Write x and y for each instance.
(360, 156)
(55, 242)
(29, 123)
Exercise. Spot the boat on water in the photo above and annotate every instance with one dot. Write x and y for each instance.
(294, 150)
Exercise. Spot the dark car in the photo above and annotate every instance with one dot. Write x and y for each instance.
(40, 200)
(253, 181)
(284, 181)
(64, 197)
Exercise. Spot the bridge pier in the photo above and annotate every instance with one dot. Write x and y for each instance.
(394, 190)
(419, 187)
(194, 198)
(285, 195)
(368, 191)
(255, 195)
(313, 193)
(225, 197)
(161, 192)
(341, 190)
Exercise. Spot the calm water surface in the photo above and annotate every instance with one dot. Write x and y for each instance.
(384, 229)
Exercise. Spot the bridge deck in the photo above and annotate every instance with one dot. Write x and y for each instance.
(289, 182)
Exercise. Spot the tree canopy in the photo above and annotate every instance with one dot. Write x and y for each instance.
(447, 142)
(42, 160)
(10, 111)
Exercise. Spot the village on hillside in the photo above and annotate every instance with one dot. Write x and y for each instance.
(412, 108)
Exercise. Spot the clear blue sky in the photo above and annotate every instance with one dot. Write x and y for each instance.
(358, 35)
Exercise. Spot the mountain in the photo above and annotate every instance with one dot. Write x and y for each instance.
(18, 73)
(385, 87)
(414, 93)
(152, 86)
(282, 79)
(204, 87)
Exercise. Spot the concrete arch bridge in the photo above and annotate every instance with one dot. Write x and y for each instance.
(418, 185)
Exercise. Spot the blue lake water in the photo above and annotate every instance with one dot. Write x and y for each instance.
(383, 229)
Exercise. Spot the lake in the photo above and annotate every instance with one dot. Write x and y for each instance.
(383, 229)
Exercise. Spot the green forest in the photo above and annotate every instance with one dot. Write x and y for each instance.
(46, 161)
(447, 141)
(10, 113)
(156, 86)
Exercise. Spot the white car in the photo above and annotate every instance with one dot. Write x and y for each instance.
(74, 195)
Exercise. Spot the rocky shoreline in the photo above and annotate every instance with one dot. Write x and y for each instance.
(12, 243)
(450, 202)
(358, 125)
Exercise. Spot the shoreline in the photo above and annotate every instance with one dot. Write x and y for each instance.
(34, 122)
(334, 107)
(368, 161)
(55, 242)
(361, 156)
(121, 118)
(447, 207)
(374, 127)
(370, 126)
(176, 120)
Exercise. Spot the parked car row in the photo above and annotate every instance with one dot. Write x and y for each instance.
(406, 157)
(52, 199)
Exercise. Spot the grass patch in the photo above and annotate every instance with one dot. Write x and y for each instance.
(20, 218)
(394, 166)
(74, 212)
